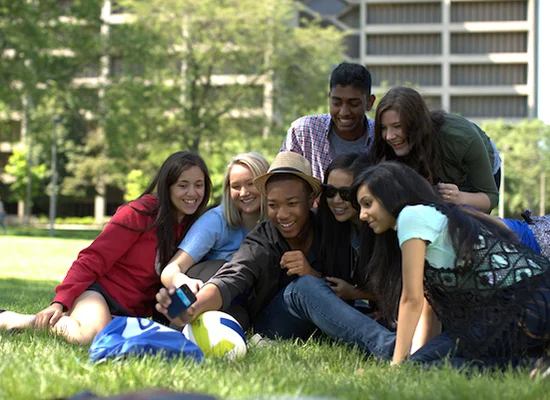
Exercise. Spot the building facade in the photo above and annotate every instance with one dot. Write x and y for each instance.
(474, 58)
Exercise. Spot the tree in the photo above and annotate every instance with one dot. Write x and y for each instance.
(43, 46)
(189, 71)
(17, 168)
(526, 148)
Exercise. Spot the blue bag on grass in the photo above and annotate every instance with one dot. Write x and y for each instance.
(139, 336)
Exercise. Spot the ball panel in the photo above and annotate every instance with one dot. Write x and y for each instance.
(201, 334)
(217, 334)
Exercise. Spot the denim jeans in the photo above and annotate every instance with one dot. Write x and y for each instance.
(308, 303)
(442, 350)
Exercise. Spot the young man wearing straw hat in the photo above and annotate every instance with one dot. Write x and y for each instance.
(273, 254)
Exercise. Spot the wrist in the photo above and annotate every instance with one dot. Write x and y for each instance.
(58, 305)
(179, 279)
(209, 298)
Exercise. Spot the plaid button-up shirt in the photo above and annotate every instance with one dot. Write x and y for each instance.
(309, 136)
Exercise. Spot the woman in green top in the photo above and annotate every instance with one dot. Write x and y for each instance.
(449, 151)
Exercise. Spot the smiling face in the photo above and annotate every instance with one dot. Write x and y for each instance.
(347, 110)
(242, 190)
(373, 212)
(288, 205)
(188, 192)
(393, 133)
(342, 210)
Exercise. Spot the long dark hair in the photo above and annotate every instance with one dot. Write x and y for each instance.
(421, 126)
(164, 213)
(396, 186)
(336, 248)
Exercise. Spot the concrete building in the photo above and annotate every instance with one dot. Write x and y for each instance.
(476, 58)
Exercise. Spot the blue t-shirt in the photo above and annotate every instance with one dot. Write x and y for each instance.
(211, 237)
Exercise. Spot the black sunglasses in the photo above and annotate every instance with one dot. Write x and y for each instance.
(330, 192)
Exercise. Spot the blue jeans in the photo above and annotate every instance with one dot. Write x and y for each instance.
(443, 350)
(308, 303)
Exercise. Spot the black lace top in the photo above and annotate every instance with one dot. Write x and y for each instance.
(483, 302)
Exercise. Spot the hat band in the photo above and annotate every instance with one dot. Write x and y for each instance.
(286, 169)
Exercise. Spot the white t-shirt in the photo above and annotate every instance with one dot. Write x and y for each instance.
(426, 223)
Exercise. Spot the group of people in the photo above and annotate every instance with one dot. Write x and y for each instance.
(391, 212)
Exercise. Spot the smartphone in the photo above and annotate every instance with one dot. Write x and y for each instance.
(182, 298)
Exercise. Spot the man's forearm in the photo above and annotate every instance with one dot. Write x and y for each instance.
(209, 298)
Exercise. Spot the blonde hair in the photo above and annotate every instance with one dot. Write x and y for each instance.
(257, 165)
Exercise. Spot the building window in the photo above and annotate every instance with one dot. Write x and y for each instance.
(492, 42)
(419, 13)
(404, 44)
(490, 106)
(393, 75)
(481, 11)
(351, 17)
(433, 102)
(90, 70)
(488, 74)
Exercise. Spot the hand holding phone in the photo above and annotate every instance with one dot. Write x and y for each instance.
(182, 298)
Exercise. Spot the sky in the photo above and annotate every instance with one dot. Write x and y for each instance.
(543, 110)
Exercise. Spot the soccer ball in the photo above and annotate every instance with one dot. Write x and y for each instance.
(217, 334)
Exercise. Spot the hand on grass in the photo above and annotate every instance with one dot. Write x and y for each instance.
(49, 316)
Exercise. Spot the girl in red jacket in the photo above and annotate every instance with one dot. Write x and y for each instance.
(116, 274)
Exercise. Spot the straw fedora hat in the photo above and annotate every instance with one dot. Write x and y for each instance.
(288, 162)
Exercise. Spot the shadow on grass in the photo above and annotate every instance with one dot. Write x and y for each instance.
(29, 296)
(88, 234)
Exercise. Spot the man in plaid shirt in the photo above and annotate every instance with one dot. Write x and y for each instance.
(320, 138)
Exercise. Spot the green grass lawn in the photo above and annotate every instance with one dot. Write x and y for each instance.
(39, 365)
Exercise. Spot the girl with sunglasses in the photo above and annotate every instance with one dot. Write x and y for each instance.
(340, 224)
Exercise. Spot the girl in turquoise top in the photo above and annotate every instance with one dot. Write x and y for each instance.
(458, 266)
(219, 232)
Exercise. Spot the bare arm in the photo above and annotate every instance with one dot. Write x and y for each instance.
(174, 273)
(479, 201)
(412, 297)
(428, 327)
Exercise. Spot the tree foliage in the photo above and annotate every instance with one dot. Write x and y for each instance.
(17, 168)
(526, 150)
(192, 75)
(183, 74)
(44, 46)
